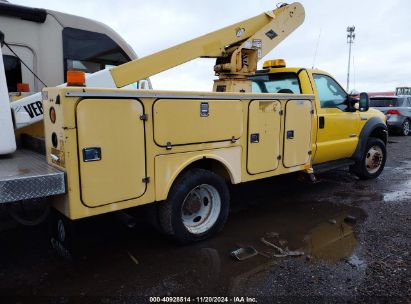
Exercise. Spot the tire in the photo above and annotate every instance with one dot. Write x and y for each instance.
(405, 128)
(372, 161)
(196, 208)
(61, 235)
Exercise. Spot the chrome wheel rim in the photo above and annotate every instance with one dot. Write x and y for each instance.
(201, 208)
(373, 159)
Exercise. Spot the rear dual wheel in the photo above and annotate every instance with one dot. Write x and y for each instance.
(197, 207)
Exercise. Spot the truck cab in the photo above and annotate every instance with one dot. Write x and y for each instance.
(340, 129)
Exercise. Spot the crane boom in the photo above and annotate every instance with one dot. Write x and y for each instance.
(267, 30)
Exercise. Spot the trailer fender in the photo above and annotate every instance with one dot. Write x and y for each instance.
(169, 167)
(375, 127)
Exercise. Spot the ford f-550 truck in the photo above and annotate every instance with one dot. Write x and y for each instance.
(119, 149)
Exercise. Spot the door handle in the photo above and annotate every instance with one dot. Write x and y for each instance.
(255, 138)
(321, 122)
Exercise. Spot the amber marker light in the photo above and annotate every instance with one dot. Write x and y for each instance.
(23, 87)
(277, 63)
(76, 79)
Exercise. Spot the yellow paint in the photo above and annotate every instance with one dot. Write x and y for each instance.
(297, 141)
(115, 127)
(180, 122)
(168, 167)
(264, 122)
(115, 182)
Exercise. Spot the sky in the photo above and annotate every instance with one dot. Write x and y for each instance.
(380, 54)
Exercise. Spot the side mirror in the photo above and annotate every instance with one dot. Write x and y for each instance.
(352, 99)
(364, 103)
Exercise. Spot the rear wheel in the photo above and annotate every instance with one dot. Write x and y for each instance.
(197, 206)
(373, 160)
(61, 235)
(406, 128)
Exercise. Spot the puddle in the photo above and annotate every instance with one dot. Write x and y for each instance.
(329, 241)
(399, 195)
(119, 261)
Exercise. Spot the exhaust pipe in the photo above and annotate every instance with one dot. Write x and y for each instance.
(7, 136)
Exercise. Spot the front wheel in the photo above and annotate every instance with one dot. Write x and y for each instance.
(197, 207)
(373, 160)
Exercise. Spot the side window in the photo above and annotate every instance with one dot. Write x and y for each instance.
(330, 92)
(90, 51)
(12, 67)
(276, 83)
(256, 88)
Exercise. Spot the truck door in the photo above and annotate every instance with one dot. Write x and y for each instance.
(337, 128)
(111, 149)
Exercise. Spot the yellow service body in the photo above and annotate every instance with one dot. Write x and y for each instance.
(147, 138)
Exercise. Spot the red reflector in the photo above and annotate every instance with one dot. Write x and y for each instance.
(52, 115)
(393, 112)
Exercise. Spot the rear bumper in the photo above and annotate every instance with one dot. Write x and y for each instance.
(395, 121)
(26, 175)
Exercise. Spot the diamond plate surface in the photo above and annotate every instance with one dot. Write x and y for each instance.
(26, 175)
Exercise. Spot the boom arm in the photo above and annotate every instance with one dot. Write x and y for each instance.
(260, 34)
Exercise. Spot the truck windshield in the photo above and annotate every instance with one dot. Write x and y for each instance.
(276, 83)
(386, 102)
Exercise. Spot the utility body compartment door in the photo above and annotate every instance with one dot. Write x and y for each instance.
(297, 137)
(189, 121)
(111, 149)
(264, 129)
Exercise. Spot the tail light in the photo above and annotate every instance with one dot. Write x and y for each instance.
(393, 112)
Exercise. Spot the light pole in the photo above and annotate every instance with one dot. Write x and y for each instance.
(350, 41)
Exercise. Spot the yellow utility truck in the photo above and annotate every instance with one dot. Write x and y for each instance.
(120, 149)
